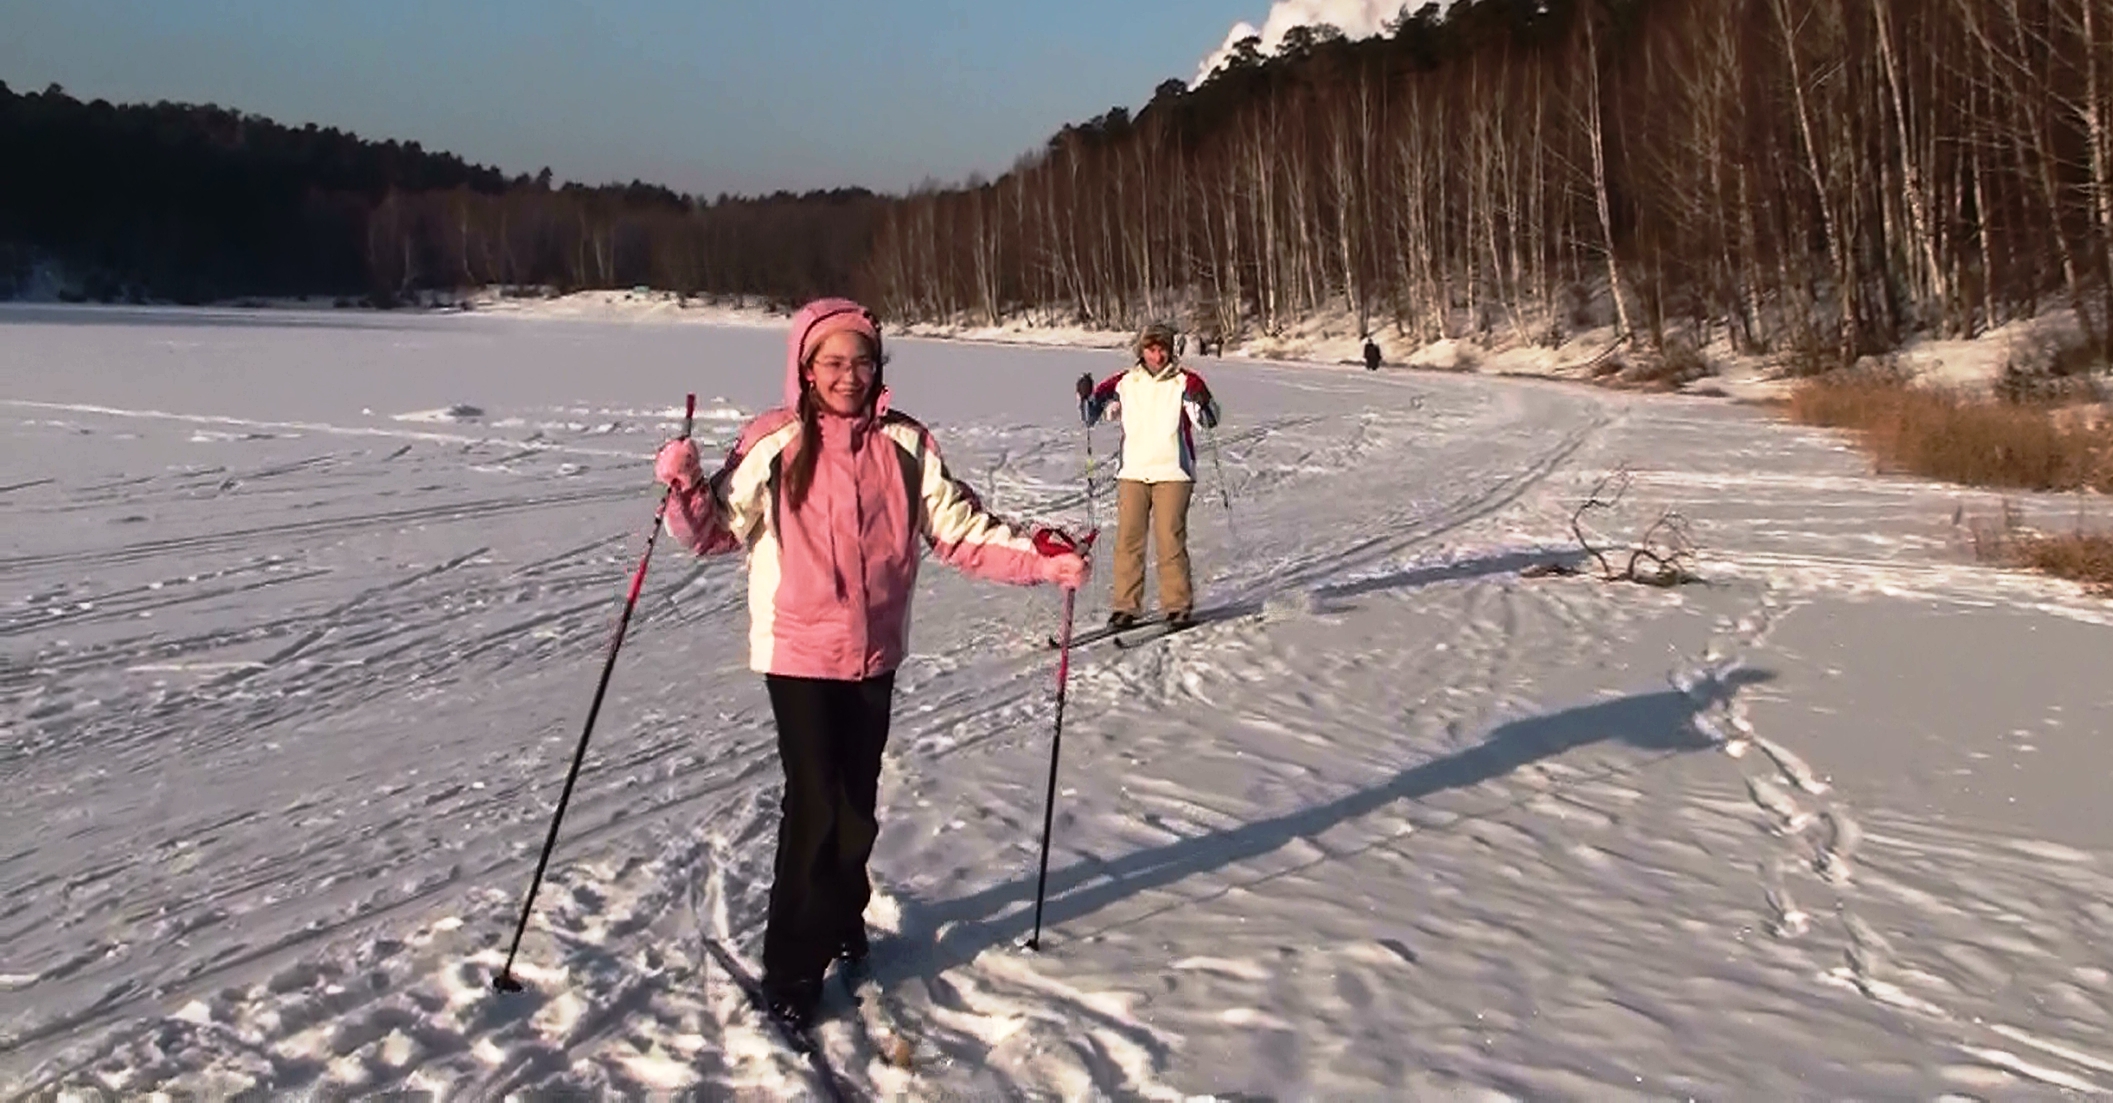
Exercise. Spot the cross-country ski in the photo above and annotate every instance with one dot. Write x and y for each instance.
(832, 1084)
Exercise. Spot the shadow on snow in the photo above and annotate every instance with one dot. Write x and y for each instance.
(939, 935)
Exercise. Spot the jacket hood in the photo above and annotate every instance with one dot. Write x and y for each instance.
(815, 322)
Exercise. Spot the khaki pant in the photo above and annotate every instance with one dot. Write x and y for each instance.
(1165, 507)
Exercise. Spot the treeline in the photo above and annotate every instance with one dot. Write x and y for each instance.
(1819, 174)
(1814, 176)
(196, 203)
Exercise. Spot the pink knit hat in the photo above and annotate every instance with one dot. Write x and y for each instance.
(813, 325)
(828, 316)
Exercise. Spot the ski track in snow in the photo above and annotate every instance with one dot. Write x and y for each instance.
(289, 692)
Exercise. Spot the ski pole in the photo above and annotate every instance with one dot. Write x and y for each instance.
(1056, 744)
(1085, 389)
(1092, 514)
(1225, 495)
(504, 980)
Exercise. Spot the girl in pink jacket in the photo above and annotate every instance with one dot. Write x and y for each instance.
(832, 496)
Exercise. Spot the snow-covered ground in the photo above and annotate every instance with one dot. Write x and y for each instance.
(1331, 336)
(300, 614)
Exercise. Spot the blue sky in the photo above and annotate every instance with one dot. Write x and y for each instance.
(704, 96)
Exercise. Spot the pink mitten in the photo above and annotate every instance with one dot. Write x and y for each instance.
(1063, 561)
(1068, 570)
(677, 466)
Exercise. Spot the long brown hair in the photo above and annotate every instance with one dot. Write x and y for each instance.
(798, 474)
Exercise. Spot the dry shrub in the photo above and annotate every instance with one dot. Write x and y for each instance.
(2023, 387)
(2051, 371)
(1663, 556)
(1853, 398)
(1944, 434)
(2056, 354)
(2079, 555)
(1668, 367)
(2085, 557)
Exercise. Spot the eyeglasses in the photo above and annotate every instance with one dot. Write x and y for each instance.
(837, 365)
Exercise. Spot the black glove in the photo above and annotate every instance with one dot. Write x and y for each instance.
(1085, 386)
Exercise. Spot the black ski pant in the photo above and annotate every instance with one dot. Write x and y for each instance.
(830, 737)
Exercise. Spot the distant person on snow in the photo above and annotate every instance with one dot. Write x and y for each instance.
(1158, 402)
(1371, 355)
(831, 497)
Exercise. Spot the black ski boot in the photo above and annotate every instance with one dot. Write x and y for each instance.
(852, 952)
(793, 1003)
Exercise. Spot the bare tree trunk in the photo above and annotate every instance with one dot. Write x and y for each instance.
(1439, 219)
(1830, 220)
(1346, 190)
(985, 239)
(1232, 308)
(462, 229)
(1303, 213)
(1182, 270)
(1142, 245)
(1930, 274)
(1410, 241)
(2030, 104)
(579, 252)
(1268, 249)
(2101, 144)
(1595, 133)
(1073, 262)
(1538, 214)
(1991, 315)
(509, 274)
(1370, 109)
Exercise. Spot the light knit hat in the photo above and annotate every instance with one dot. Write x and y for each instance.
(1157, 333)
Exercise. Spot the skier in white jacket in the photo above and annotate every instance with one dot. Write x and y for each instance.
(1158, 402)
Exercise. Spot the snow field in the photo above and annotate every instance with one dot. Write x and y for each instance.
(300, 620)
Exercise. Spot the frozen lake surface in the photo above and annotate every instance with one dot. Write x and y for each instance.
(300, 615)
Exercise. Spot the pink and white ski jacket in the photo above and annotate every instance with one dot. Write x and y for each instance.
(829, 586)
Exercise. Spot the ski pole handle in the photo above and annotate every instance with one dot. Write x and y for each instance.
(638, 577)
(689, 419)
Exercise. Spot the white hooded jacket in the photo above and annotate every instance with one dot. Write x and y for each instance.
(1157, 411)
